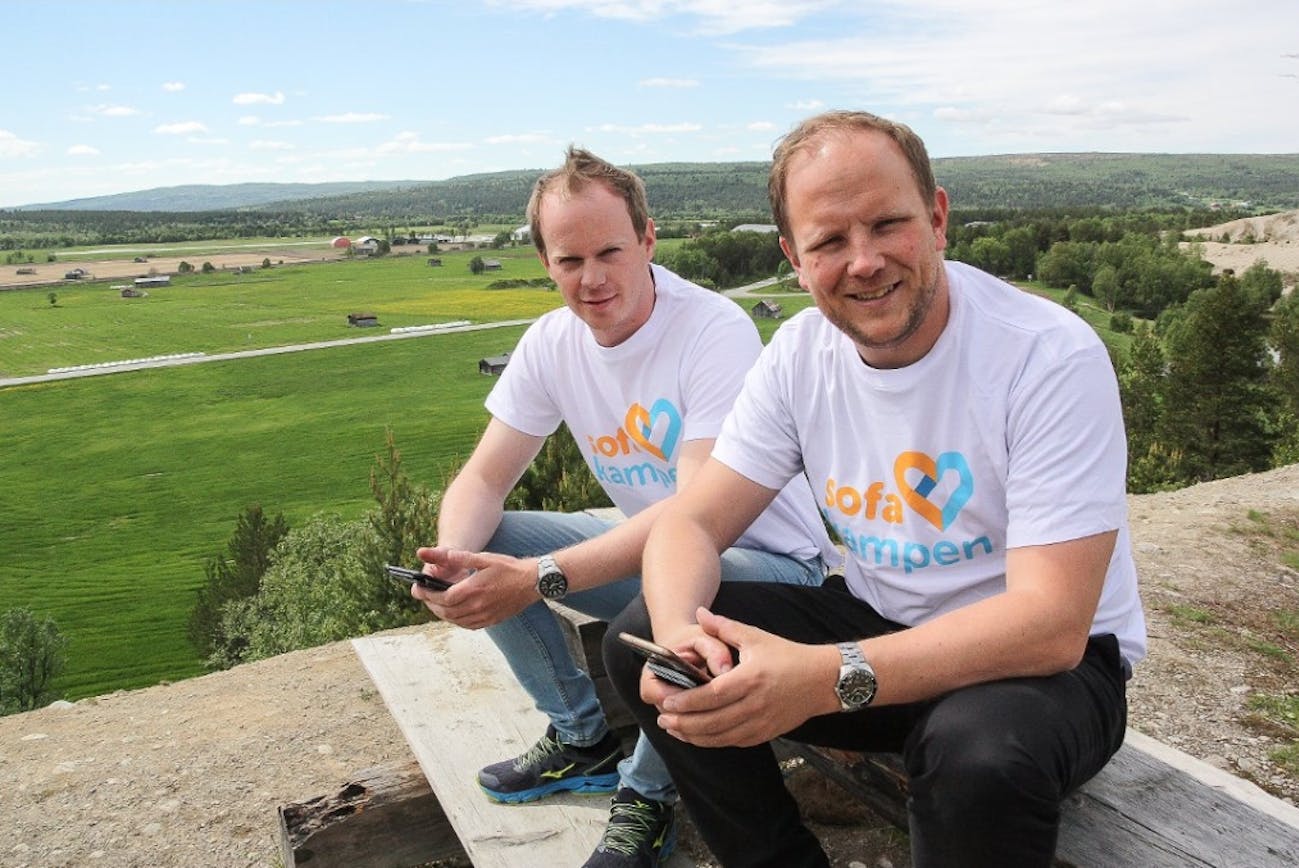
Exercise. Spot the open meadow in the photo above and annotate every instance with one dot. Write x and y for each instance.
(118, 488)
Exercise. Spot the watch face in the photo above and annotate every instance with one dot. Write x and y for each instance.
(856, 688)
(552, 586)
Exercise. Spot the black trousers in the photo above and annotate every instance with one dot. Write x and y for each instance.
(989, 764)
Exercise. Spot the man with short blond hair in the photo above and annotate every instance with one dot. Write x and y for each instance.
(642, 366)
(966, 442)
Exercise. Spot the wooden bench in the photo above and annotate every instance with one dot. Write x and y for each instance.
(459, 708)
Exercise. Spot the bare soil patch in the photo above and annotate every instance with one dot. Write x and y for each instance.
(191, 773)
(125, 268)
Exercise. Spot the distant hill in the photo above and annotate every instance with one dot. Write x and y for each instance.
(1250, 182)
(1121, 181)
(214, 197)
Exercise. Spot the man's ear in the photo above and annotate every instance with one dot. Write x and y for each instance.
(791, 254)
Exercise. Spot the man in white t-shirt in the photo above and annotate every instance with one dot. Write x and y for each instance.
(643, 367)
(965, 440)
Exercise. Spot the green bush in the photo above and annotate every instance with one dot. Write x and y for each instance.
(31, 655)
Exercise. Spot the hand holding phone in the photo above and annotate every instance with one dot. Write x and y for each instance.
(665, 663)
(416, 577)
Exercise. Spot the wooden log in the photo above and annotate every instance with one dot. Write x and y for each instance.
(387, 817)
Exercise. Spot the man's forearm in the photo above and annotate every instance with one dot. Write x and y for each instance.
(469, 514)
(681, 571)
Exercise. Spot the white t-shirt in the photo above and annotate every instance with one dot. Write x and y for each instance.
(1008, 433)
(630, 407)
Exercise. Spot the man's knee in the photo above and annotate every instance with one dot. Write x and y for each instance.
(970, 754)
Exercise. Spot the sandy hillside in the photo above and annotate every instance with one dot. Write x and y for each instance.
(191, 773)
(1273, 238)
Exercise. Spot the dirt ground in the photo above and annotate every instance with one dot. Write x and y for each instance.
(191, 773)
(126, 269)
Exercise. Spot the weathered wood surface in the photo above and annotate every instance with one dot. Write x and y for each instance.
(460, 708)
(1151, 806)
(386, 817)
(455, 700)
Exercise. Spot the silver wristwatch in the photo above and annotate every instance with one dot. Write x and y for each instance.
(856, 684)
(552, 584)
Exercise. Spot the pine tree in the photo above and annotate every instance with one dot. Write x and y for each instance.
(1218, 414)
(234, 574)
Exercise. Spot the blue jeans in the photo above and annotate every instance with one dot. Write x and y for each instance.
(533, 642)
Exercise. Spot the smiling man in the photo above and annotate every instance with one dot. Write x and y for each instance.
(967, 443)
(642, 366)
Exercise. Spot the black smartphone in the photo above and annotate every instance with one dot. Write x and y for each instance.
(665, 663)
(416, 577)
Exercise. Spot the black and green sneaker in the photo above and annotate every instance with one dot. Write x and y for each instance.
(641, 833)
(550, 766)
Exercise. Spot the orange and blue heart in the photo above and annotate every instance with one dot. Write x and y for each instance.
(655, 430)
(932, 483)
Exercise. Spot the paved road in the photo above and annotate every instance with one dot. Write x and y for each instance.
(243, 354)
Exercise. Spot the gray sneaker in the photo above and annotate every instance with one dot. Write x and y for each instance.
(641, 833)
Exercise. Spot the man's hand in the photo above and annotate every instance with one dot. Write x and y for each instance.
(487, 588)
(776, 686)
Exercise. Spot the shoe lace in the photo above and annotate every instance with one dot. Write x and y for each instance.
(538, 753)
(629, 826)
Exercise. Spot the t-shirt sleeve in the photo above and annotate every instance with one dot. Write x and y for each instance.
(521, 397)
(1067, 473)
(713, 374)
(759, 439)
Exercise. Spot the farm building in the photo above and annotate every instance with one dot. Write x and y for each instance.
(153, 280)
(768, 310)
(362, 320)
(366, 244)
(341, 242)
(522, 235)
(491, 265)
(75, 274)
(755, 227)
(493, 365)
(434, 261)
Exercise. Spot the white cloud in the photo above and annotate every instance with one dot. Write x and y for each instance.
(180, 128)
(12, 146)
(680, 83)
(249, 121)
(276, 98)
(113, 111)
(82, 151)
(760, 127)
(647, 129)
(352, 118)
(520, 139)
(807, 105)
(409, 143)
(207, 140)
(173, 86)
(267, 145)
(710, 16)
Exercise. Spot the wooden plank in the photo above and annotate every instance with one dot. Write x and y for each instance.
(459, 708)
(1151, 806)
(385, 817)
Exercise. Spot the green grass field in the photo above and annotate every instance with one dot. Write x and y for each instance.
(118, 488)
(226, 311)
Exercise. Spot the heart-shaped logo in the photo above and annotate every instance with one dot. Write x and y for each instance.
(931, 476)
(649, 431)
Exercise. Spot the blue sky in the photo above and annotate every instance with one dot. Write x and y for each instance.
(108, 97)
